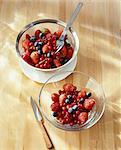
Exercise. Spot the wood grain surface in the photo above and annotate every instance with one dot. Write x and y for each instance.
(99, 29)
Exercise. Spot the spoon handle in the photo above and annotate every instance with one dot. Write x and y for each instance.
(71, 20)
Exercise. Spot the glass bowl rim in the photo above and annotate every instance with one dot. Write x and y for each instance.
(83, 126)
(59, 22)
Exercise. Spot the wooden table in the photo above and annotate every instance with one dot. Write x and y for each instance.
(98, 27)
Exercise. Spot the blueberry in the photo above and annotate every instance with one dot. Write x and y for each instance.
(39, 51)
(32, 39)
(62, 63)
(53, 66)
(88, 94)
(39, 46)
(41, 35)
(70, 110)
(36, 44)
(67, 101)
(69, 96)
(65, 61)
(68, 44)
(49, 54)
(55, 114)
(81, 101)
(75, 107)
(40, 43)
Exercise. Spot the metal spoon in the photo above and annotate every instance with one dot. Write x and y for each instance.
(60, 42)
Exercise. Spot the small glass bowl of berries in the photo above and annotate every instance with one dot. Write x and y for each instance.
(75, 103)
(36, 46)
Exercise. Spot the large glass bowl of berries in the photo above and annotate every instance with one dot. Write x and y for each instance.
(75, 103)
(36, 45)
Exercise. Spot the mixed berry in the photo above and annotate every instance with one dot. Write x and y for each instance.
(71, 106)
(39, 49)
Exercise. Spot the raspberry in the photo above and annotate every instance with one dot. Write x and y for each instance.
(55, 97)
(55, 107)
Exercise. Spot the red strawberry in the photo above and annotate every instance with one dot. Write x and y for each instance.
(37, 32)
(28, 36)
(70, 53)
(56, 62)
(89, 103)
(59, 32)
(83, 117)
(55, 97)
(82, 94)
(26, 57)
(55, 107)
(48, 35)
(46, 31)
(68, 87)
(25, 44)
(80, 106)
(45, 49)
(64, 51)
(62, 98)
(35, 57)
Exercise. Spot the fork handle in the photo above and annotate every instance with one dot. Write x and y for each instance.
(71, 20)
(46, 136)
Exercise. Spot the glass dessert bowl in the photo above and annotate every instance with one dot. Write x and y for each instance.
(80, 81)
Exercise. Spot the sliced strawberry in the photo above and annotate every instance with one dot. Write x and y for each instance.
(48, 35)
(25, 44)
(70, 53)
(26, 57)
(56, 62)
(64, 51)
(68, 87)
(62, 98)
(37, 32)
(45, 49)
(35, 57)
(82, 94)
(89, 103)
(83, 117)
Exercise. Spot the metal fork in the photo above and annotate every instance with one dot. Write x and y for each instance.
(60, 42)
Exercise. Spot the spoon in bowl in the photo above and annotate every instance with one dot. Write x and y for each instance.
(60, 41)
